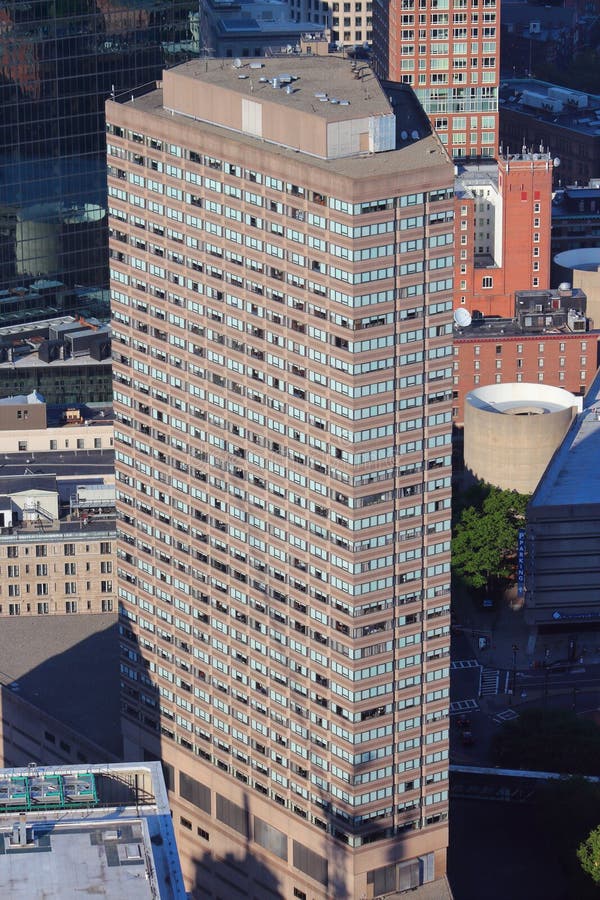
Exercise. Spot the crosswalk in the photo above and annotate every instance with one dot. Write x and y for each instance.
(505, 716)
(464, 664)
(489, 680)
(463, 706)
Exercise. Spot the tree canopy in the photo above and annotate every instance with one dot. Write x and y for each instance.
(549, 740)
(588, 854)
(485, 537)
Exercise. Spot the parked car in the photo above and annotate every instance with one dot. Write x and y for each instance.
(467, 738)
(463, 722)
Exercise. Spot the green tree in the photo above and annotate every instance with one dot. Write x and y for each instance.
(485, 538)
(588, 854)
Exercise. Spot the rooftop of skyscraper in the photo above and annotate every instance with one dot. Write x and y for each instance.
(331, 108)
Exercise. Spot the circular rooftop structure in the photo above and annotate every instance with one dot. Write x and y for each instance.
(512, 431)
(586, 259)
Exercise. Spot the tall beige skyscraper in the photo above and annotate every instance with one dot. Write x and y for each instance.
(282, 257)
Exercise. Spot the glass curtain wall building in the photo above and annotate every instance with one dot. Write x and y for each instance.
(59, 61)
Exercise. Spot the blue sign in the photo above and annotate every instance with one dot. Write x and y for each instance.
(521, 563)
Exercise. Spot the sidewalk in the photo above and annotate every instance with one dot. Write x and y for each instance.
(505, 628)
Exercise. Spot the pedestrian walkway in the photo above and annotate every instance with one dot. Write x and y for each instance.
(505, 716)
(488, 682)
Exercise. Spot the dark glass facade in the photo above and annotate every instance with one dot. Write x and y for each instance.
(59, 61)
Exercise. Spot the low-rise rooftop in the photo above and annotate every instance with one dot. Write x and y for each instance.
(38, 660)
(547, 102)
(70, 832)
(573, 475)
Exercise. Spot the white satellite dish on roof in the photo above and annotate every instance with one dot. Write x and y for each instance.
(237, 63)
(462, 317)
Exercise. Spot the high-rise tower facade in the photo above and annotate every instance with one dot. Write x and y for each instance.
(449, 52)
(281, 273)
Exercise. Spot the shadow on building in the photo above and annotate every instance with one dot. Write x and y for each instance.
(59, 692)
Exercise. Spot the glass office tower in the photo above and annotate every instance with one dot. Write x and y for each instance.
(59, 61)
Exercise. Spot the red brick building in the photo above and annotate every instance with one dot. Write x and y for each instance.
(518, 349)
(502, 237)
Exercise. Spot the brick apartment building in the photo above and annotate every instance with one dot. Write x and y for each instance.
(282, 296)
(450, 55)
(513, 350)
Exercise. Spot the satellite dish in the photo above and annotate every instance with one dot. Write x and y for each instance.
(404, 135)
(237, 63)
(462, 317)
(556, 162)
(414, 135)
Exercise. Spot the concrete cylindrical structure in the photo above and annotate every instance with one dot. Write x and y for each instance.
(512, 430)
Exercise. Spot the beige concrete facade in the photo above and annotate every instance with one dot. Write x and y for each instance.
(512, 430)
(283, 353)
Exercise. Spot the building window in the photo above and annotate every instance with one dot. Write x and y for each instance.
(536, 282)
(519, 364)
(477, 349)
(23, 446)
(42, 589)
(487, 281)
(498, 363)
(582, 376)
(71, 606)
(498, 379)
(498, 348)
(476, 379)
(41, 550)
(43, 609)
(540, 363)
(540, 376)
(476, 365)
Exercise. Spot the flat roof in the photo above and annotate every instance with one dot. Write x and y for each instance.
(573, 474)
(121, 845)
(40, 654)
(65, 464)
(424, 153)
(331, 75)
(583, 120)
